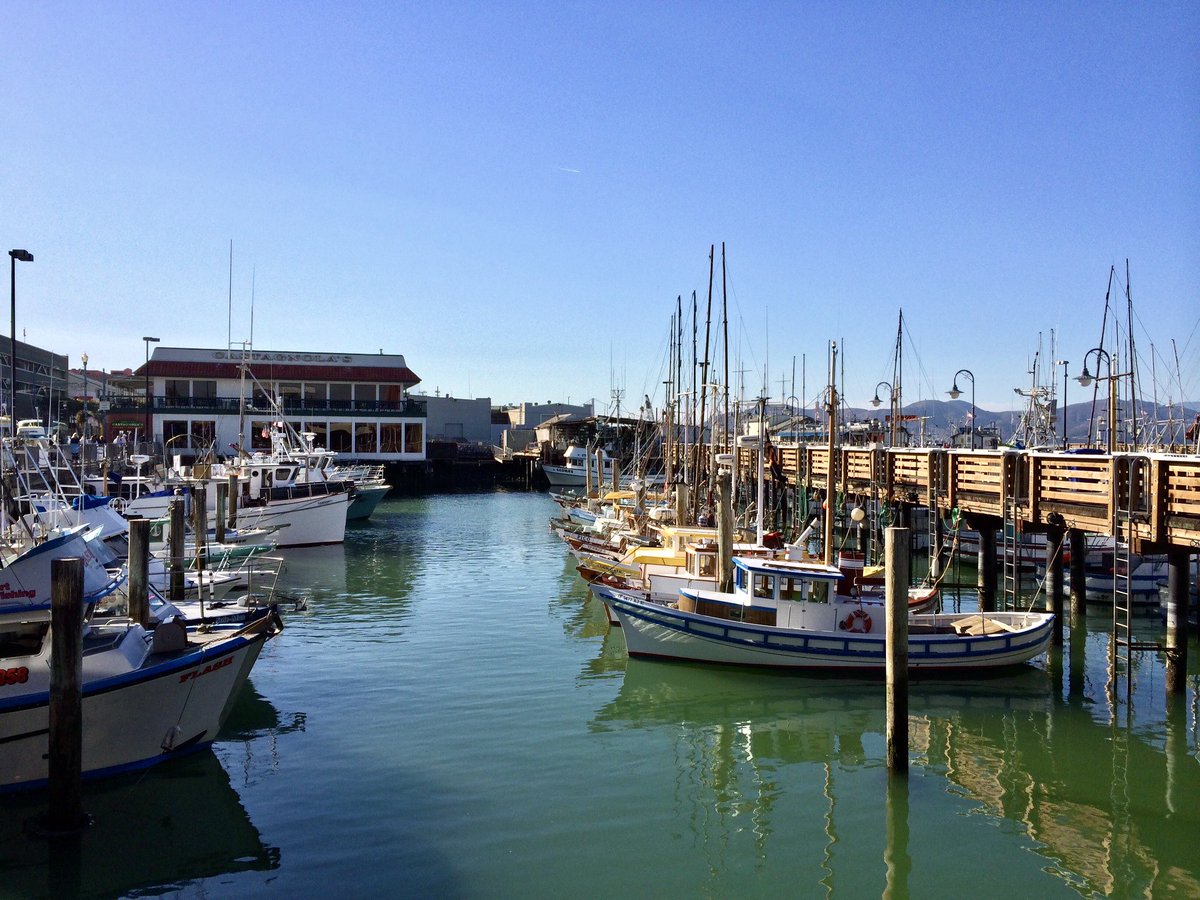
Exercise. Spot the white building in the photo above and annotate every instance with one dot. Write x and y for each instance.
(355, 403)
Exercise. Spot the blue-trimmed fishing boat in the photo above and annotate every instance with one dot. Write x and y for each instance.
(786, 614)
(148, 694)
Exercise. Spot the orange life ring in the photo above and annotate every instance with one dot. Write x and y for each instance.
(859, 622)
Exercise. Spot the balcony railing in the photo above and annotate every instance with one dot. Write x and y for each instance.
(292, 406)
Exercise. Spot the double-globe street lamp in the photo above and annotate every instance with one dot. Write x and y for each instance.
(955, 393)
(1085, 379)
(16, 256)
(875, 401)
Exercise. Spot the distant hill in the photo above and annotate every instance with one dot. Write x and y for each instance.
(942, 417)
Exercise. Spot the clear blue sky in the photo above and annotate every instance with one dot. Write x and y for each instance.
(512, 195)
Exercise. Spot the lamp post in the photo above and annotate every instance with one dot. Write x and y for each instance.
(955, 393)
(1064, 363)
(1085, 379)
(875, 401)
(17, 256)
(149, 413)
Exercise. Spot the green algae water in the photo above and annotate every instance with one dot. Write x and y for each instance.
(452, 717)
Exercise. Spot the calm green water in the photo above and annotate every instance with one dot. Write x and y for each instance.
(451, 717)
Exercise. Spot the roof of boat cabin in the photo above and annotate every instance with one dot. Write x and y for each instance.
(787, 567)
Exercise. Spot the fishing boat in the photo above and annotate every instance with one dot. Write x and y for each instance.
(148, 694)
(787, 614)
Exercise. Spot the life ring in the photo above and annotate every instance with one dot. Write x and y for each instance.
(859, 622)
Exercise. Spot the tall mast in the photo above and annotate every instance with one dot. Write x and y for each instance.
(830, 499)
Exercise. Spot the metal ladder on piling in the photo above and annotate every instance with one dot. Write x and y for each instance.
(1126, 508)
(1012, 543)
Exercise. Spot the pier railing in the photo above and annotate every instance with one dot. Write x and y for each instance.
(1154, 498)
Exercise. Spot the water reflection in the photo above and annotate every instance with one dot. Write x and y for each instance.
(153, 832)
(1101, 805)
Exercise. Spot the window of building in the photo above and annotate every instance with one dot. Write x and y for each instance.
(314, 394)
(339, 396)
(364, 396)
(205, 390)
(392, 394)
(340, 434)
(365, 438)
(391, 438)
(262, 399)
(260, 435)
(178, 389)
(320, 432)
(414, 437)
(290, 392)
(204, 433)
(175, 432)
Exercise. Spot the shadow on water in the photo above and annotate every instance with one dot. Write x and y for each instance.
(153, 833)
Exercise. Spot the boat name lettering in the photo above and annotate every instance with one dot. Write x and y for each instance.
(6, 593)
(342, 358)
(14, 676)
(211, 667)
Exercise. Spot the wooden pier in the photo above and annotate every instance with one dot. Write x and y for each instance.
(1151, 499)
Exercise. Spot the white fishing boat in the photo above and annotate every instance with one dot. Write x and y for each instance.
(148, 695)
(786, 614)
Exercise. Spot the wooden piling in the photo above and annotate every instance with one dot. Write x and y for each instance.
(897, 555)
(1078, 544)
(233, 500)
(986, 578)
(1177, 617)
(66, 697)
(222, 489)
(175, 511)
(1055, 538)
(139, 570)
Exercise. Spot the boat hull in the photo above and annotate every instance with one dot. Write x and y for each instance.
(658, 631)
(135, 719)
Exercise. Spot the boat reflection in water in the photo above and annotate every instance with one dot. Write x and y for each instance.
(176, 823)
(797, 766)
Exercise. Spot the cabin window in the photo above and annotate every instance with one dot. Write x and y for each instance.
(391, 438)
(706, 565)
(764, 585)
(365, 437)
(414, 437)
(340, 437)
(820, 592)
(22, 640)
(791, 589)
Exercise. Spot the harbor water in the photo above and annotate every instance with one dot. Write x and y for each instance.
(450, 716)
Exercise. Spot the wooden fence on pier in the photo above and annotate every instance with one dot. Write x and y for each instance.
(1151, 498)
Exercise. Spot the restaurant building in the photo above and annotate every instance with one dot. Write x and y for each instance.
(193, 401)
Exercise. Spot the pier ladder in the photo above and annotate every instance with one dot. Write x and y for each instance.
(1128, 507)
(1012, 545)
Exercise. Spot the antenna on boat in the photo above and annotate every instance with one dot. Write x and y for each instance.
(229, 327)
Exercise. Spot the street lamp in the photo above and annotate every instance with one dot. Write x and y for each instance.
(1085, 379)
(17, 256)
(149, 414)
(1064, 363)
(875, 401)
(955, 393)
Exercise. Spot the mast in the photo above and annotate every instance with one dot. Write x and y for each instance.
(704, 384)
(827, 537)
